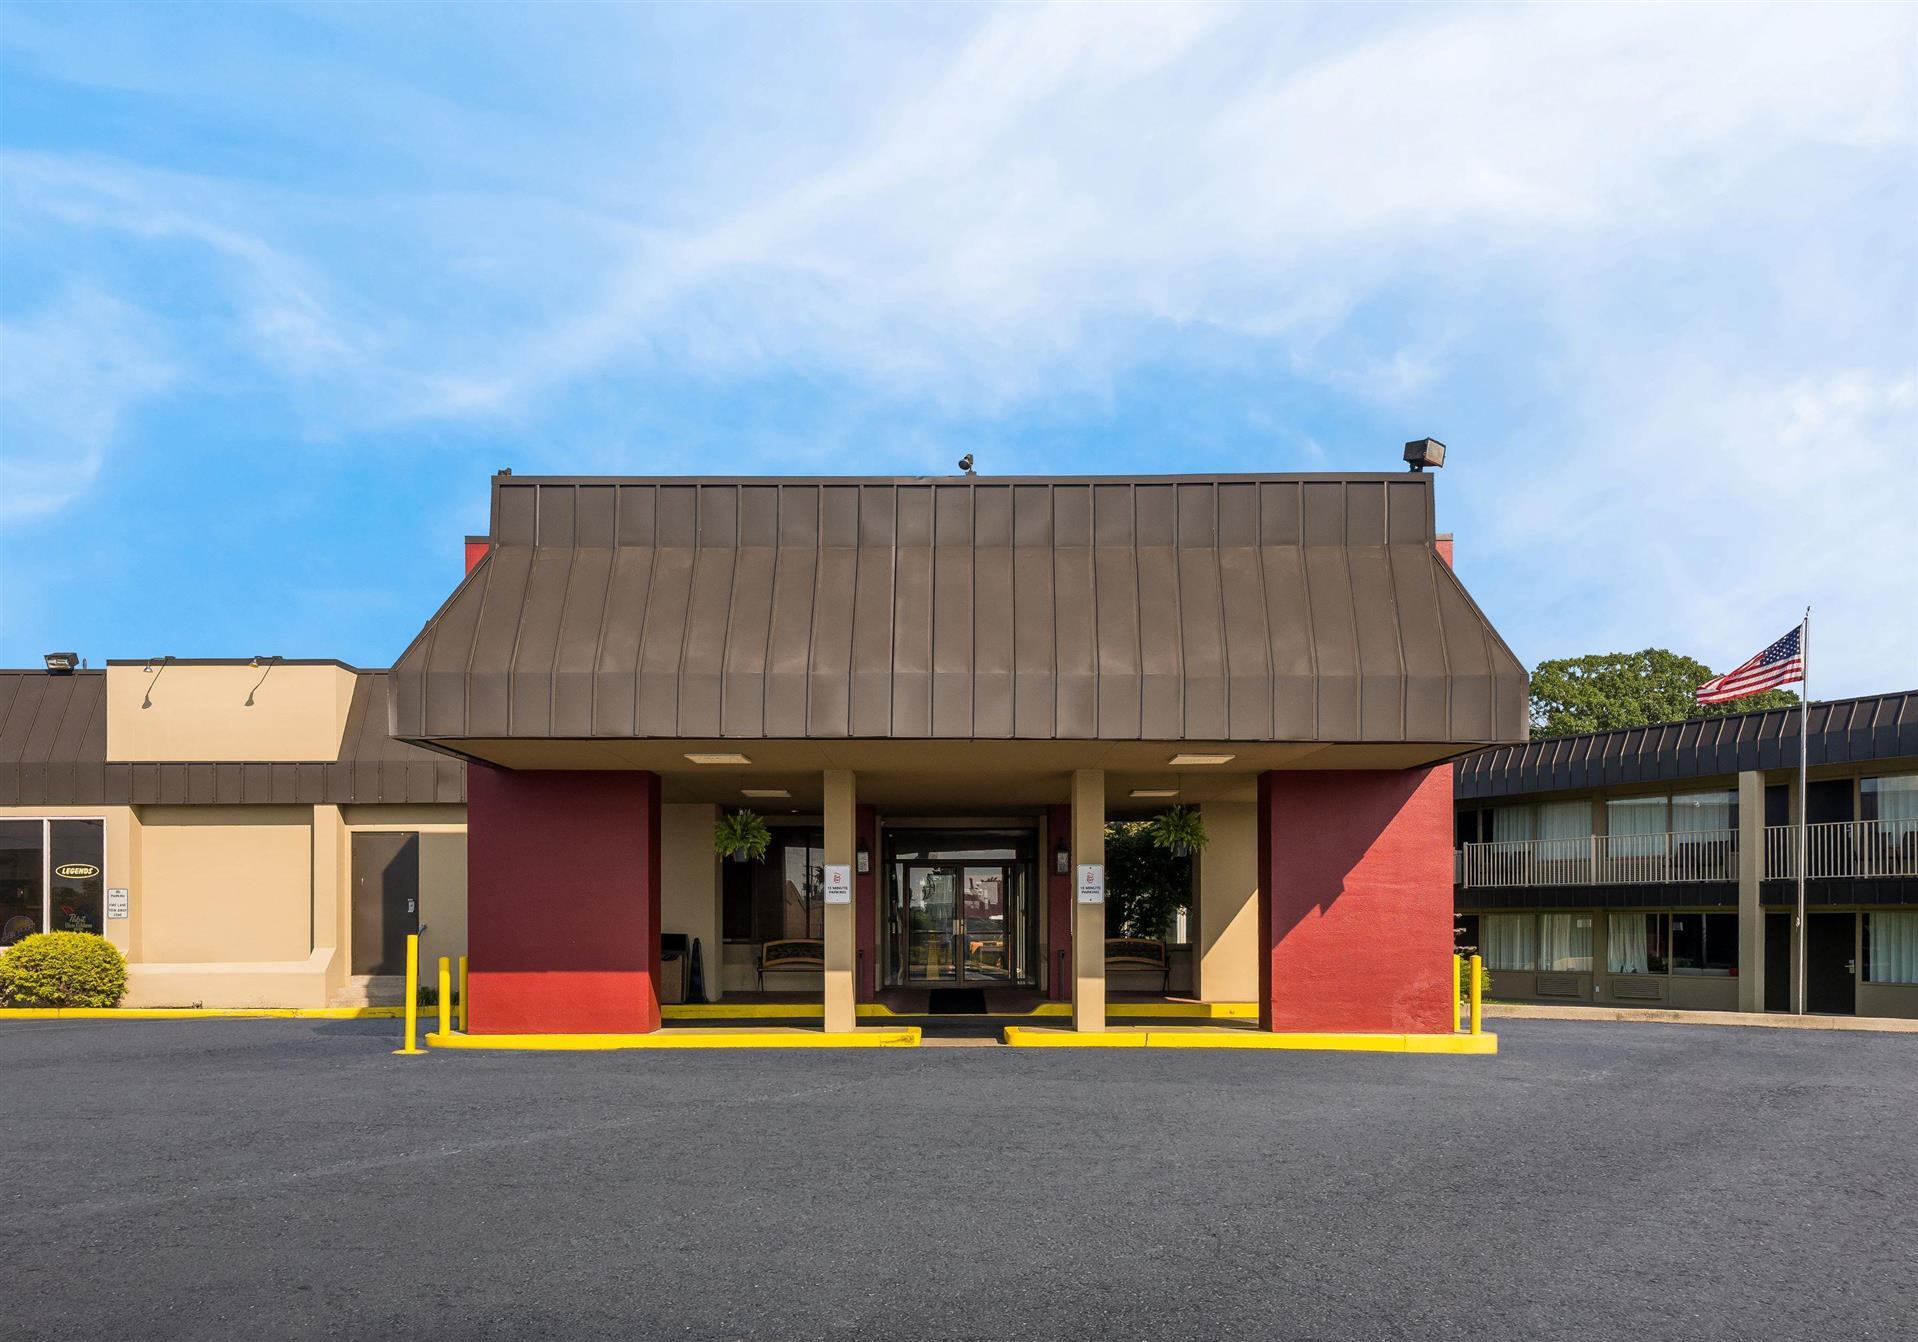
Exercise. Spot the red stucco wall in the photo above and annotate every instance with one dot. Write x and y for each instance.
(1355, 899)
(562, 901)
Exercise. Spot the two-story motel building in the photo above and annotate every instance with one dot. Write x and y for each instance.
(948, 685)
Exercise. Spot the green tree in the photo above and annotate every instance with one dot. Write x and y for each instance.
(1145, 884)
(1608, 690)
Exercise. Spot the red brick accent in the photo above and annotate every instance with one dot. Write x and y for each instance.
(1355, 900)
(865, 903)
(562, 901)
(1058, 906)
(1444, 543)
(475, 551)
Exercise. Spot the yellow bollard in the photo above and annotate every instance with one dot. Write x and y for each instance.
(446, 996)
(1457, 981)
(412, 995)
(1478, 978)
(462, 1016)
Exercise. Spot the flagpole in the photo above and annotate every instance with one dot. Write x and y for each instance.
(1804, 793)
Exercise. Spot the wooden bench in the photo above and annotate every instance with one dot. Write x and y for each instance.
(793, 953)
(1140, 953)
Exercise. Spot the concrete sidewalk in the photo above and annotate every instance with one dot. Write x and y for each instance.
(1662, 1016)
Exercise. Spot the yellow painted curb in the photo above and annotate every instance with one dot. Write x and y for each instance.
(907, 1037)
(202, 1013)
(1457, 1044)
(1025, 1036)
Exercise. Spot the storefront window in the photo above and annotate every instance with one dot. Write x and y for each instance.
(79, 883)
(1891, 947)
(1565, 942)
(22, 870)
(1508, 940)
(1704, 943)
(1635, 943)
(780, 897)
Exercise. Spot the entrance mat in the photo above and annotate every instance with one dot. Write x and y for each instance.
(956, 1002)
(1028, 1036)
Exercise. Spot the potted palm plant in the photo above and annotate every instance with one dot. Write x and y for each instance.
(742, 836)
(1179, 830)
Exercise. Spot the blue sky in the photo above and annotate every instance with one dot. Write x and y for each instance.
(282, 287)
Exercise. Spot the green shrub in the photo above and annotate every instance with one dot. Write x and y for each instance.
(62, 969)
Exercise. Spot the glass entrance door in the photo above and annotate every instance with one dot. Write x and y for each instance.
(960, 910)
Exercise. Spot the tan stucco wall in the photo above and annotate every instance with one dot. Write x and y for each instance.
(689, 897)
(226, 883)
(201, 713)
(1226, 939)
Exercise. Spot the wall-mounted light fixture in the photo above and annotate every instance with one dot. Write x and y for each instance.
(268, 661)
(147, 700)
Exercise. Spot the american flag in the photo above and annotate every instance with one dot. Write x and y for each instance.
(1780, 664)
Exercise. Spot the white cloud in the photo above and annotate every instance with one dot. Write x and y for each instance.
(69, 376)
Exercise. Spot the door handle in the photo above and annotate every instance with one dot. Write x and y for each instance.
(412, 906)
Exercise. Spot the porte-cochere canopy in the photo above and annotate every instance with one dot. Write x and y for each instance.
(1307, 608)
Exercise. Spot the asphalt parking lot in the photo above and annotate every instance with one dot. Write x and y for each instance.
(275, 1179)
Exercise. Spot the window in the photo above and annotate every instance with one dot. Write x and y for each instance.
(1508, 940)
(1637, 826)
(1511, 824)
(1891, 947)
(1635, 943)
(1893, 798)
(22, 872)
(1704, 943)
(1704, 812)
(780, 897)
(52, 877)
(1565, 942)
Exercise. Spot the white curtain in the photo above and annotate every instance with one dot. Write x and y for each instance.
(1511, 823)
(1698, 812)
(1894, 947)
(1637, 826)
(1565, 942)
(1508, 940)
(1625, 944)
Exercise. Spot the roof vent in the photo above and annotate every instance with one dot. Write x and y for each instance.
(62, 663)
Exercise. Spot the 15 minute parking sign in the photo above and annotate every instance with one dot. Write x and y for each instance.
(1092, 883)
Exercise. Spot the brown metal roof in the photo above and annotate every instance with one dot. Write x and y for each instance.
(1843, 731)
(53, 752)
(1240, 608)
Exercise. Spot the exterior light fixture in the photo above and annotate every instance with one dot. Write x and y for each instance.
(62, 663)
(1155, 792)
(258, 662)
(1425, 452)
(1201, 759)
(1062, 858)
(769, 792)
(716, 757)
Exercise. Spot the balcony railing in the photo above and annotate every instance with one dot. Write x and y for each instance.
(1615, 859)
(1850, 848)
(1844, 848)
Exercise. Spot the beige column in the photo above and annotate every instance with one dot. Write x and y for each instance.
(1088, 920)
(841, 948)
(1751, 870)
(1225, 958)
(331, 875)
